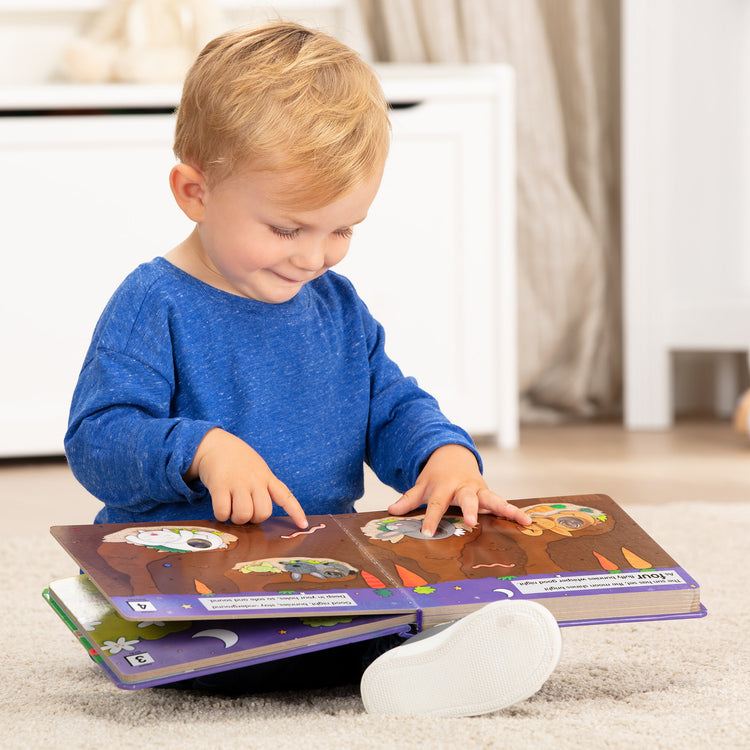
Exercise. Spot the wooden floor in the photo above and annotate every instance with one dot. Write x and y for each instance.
(697, 461)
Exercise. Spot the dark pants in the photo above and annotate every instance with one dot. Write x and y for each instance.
(330, 667)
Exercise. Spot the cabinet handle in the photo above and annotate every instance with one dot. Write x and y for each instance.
(86, 111)
(404, 105)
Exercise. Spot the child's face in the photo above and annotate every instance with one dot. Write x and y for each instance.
(255, 245)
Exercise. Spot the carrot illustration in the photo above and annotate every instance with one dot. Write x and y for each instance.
(201, 587)
(635, 561)
(408, 578)
(606, 564)
(372, 581)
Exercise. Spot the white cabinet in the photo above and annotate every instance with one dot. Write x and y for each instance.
(85, 198)
(686, 221)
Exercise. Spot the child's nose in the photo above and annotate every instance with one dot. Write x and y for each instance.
(311, 257)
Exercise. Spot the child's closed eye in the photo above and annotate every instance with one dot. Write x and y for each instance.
(287, 234)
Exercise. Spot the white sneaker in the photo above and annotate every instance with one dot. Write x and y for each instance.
(499, 655)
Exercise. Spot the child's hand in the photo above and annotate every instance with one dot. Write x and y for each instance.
(242, 486)
(451, 477)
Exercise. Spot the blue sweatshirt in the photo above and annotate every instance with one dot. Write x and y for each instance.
(306, 383)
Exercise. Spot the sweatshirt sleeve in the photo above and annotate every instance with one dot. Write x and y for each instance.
(406, 425)
(122, 442)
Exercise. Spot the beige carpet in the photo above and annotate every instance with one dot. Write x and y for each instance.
(673, 684)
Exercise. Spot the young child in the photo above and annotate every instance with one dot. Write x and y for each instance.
(238, 377)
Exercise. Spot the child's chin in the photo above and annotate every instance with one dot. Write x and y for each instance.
(278, 297)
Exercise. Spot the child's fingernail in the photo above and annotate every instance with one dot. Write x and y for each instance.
(426, 532)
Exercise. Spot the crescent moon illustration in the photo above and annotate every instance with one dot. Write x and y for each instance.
(507, 593)
(227, 636)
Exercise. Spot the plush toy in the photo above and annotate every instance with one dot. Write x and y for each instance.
(143, 41)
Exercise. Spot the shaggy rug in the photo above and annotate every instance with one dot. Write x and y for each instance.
(671, 684)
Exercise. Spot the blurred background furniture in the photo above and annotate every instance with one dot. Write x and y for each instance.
(86, 198)
(686, 187)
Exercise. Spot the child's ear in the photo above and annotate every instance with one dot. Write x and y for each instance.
(189, 189)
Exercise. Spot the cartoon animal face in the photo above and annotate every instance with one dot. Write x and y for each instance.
(177, 540)
(322, 570)
(412, 527)
(561, 518)
(395, 529)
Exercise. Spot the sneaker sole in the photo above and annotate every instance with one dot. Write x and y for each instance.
(496, 656)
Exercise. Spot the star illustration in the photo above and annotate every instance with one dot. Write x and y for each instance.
(187, 606)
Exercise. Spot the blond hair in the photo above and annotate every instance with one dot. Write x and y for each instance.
(287, 98)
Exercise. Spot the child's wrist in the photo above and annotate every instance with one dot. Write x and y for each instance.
(204, 446)
(456, 450)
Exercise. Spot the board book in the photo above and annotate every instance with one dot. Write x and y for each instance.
(150, 652)
(583, 558)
